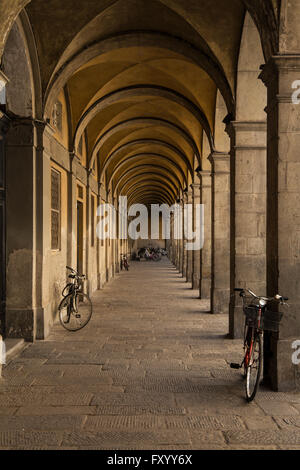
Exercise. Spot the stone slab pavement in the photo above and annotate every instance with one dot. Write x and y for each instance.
(150, 371)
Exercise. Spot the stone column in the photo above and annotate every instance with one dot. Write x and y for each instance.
(189, 265)
(4, 127)
(196, 253)
(98, 241)
(117, 245)
(220, 232)
(171, 248)
(248, 215)
(206, 254)
(177, 247)
(283, 215)
(28, 231)
(181, 241)
(184, 252)
(72, 215)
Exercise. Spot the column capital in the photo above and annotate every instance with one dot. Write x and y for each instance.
(279, 63)
(196, 188)
(205, 179)
(25, 132)
(279, 74)
(248, 134)
(220, 162)
(204, 174)
(249, 126)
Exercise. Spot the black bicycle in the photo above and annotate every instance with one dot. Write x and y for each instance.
(75, 310)
(124, 263)
(260, 316)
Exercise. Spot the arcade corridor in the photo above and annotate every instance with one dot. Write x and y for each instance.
(149, 372)
(193, 105)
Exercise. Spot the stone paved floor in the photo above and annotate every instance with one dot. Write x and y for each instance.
(149, 372)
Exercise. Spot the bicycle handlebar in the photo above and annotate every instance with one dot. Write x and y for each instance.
(277, 297)
(80, 276)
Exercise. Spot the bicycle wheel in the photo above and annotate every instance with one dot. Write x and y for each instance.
(75, 311)
(254, 366)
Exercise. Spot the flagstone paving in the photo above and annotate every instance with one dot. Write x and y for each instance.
(150, 371)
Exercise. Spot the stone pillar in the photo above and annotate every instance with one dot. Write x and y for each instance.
(72, 215)
(206, 254)
(4, 127)
(184, 252)
(117, 244)
(283, 215)
(189, 265)
(181, 241)
(248, 215)
(177, 247)
(171, 254)
(196, 253)
(220, 232)
(99, 243)
(88, 265)
(28, 230)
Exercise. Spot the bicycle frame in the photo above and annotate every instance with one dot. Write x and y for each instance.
(254, 332)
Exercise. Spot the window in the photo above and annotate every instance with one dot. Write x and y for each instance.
(55, 209)
(92, 220)
(80, 192)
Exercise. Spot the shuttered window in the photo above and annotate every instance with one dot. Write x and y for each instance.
(55, 209)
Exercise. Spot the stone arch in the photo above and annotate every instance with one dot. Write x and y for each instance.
(136, 90)
(145, 38)
(152, 170)
(144, 122)
(20, 65)
(161, 158)
(147, 178)
(16, 66)
(154, 142)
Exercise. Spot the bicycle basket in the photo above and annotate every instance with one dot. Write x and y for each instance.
(251, 313)
(269, 321)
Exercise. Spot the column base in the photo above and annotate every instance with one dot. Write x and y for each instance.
(220, 301)
(236, 321)
(280, 373)
(21, 324)
(189, 276)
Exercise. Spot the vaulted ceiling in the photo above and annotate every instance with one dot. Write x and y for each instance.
(142, 78)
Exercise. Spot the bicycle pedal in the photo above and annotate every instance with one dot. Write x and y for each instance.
(233, 365)
(77, 316)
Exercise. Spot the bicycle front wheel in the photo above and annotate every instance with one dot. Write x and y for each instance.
(253, 370)
(75, 311)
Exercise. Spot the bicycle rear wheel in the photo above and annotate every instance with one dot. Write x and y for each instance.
(253, 370)
(75, 311)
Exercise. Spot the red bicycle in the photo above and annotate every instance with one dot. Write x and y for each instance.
(259, 317)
